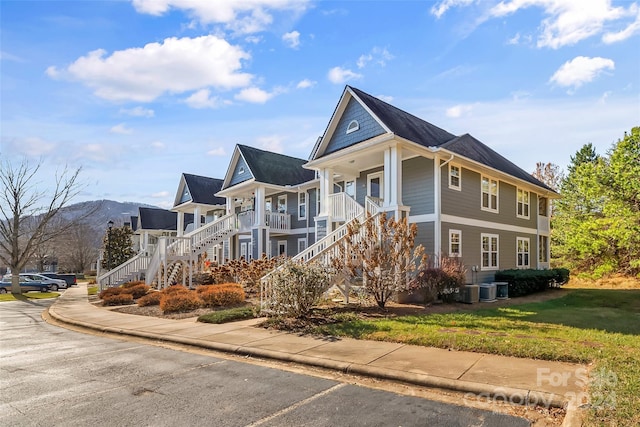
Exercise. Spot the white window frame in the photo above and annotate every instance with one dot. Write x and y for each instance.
(490, 182)
(522, 205)
(243, 250)
(268, 204)
(543, 249)
(451, 252)
(281, 197)
(317, 201)
(346, 185)
(302, 241)
(452, 175)
(523, 253)
(490, 265)
(283, 243)
(543, 212)
(302, 201)
(370, 178)
(353, 126)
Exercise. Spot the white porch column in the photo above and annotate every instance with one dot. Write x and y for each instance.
(196, 218)
(392, 178)
(326, 188)
(180, 224)
(437, 208)
(145, 241)
(259, 195)
(230, 209)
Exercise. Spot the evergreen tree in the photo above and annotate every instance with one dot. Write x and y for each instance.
(117, 246)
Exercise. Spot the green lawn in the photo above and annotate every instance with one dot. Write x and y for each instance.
(586, 325)
(228, 315)
(29, 295)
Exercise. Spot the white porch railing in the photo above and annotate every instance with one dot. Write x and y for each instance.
(246, 220)
(278, 221)
(343, 207)
(125, 271)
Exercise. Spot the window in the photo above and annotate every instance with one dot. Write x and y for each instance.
(353, 126)
(489, 251)
(282, 204)
(268, 205)
(523, 204)
(350, 188)
(240, 170)
(243, 250)
(489, 194)
(282, 247)
(302, 205)
(375, 186)
(542, 206)
(455, 243)
(522, 244)
(454, 177)
(543, 248)
(302, 244)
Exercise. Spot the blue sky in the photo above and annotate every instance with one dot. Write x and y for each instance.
(137, 92)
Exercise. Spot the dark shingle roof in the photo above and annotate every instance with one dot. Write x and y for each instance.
(404, 124)
(203, 189)
(161, 219)
(273, 168)
(417, 130)
(134, 223)
(469, 147)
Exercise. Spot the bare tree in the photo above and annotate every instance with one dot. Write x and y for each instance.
(77, 248)
(549, 174)
(28, 214)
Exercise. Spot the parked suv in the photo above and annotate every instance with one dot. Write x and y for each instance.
(26, 285)
(54, 284)
(70, 279)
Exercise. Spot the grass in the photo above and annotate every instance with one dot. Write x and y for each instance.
(28, 295)
(600, 326)
(92, 290)
(228, 315)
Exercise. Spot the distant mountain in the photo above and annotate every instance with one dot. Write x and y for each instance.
(103, 212)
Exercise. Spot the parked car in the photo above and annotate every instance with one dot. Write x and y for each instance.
(70, 279)
(55, 284)
(26, 285)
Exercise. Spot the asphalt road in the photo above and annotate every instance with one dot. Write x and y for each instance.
(51, 376)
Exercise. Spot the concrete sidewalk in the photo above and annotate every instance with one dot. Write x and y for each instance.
(485, 376)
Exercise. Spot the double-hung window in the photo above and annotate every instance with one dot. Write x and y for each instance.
(455, 181)
(522, 244)
(302, 205)
(522, 209)
(489, 251)
(282, 203)
(489, 194)
(455, 243)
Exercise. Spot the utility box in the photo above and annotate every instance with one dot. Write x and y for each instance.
(488, 292)
(502, 290)
(470, 294)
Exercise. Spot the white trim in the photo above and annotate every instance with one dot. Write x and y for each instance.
(356, 126)
(494, 209)
(422, 218)
(243, 250)
(459, 233)
(528, 252)
(497, 252)
(302, 239)
(284, 243)
(372, 176)
(280, 197)
(528, 204)
(300, 204)
(487, 224)
(459, 176)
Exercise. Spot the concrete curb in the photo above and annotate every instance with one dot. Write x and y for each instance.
(472, 389)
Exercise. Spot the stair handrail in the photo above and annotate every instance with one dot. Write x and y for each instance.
(136, 264)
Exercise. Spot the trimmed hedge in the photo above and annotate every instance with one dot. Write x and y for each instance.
(221, 295)
(525, 282)
(117, 299)
(177, 302)
(138, 290)
(152, 298)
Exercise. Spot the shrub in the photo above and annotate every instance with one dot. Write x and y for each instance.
(222, 295)
(177, 302)
(204, 278)
(296, 287)
(132, 284)
(525, 282)
(175, 289)
(152, 298)
(137, 291)
(441, 282)
(230, 315)
(110, 291)
(117, 299)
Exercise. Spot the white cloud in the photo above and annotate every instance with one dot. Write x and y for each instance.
(256, 95)
(292, 39)
(121, 129)
(160, 194)
(271, 143)
(6, 56)
(253, 39)
(29, 146)
(385, 98)
(378, 56)
(164, 204)
(173, 66)
(514, 40)
(138, 112)
(340, 75)
(202, 99)
(441, 8)
(304, 84)
(580, 70)
(458, 110)
(220, 152)
(244, 17)
(632, 29)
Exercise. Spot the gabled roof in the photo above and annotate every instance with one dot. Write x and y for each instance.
(203, 189)
(271, 168)
(160, 219)
(134, 223)
(404, 124)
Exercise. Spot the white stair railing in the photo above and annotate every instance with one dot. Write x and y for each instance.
(343, 207)
(125, 271)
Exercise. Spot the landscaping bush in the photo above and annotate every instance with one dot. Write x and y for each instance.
(132, 284)
(525, 282)
(230, 315)
(117, 299)
(441, 282)
(295, 288)
(110, 291)
(175, 289)
(137, 291)
(204, 278)
(221, 295)
(180, 301)
(152, 298)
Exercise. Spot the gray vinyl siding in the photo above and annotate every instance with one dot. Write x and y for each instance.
(467, 202)
(472, 249)
(292, 244)
(425, 236)
(237, 177)
(369, 128)
(417, 185)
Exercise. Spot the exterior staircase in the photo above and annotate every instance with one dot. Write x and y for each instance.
(170, 254)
